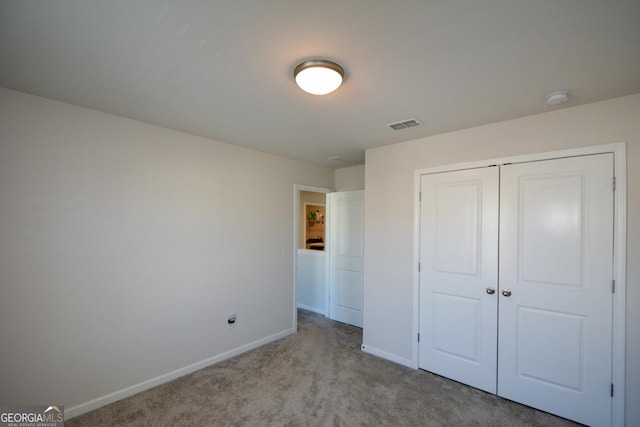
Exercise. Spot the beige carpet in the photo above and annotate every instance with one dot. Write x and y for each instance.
(318, 377)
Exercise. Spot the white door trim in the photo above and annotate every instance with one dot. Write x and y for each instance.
(297, 188)
(619, 151)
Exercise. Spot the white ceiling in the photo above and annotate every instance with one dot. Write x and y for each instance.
(223, 69)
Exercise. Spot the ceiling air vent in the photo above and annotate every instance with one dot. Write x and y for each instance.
(404, 124)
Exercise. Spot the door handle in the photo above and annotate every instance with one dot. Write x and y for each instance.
(491, 291)
(506, 292)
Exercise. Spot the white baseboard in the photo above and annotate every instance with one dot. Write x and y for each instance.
(82, 408)
(314, 309)
(389, 356)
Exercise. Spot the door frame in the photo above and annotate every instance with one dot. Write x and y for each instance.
(619, 151)
(297, 188)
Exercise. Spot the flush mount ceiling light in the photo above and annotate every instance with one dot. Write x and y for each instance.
(557, 98)
(318, 76)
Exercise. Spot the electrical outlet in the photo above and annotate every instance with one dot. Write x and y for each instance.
(231, 319)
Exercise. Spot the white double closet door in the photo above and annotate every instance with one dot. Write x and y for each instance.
(516, 282)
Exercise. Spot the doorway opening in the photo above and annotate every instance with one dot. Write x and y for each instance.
(310, 257)
(329, 256)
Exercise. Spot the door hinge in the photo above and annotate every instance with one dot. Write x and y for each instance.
(614, 183)
(611, 389)
(418, 336)
(419, 265)
(613, 286)
(420, 196)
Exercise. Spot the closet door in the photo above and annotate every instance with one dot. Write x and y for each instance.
(458, 275)
(555, 309)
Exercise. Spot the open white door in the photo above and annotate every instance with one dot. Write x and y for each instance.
(459, 275)
(346, 256)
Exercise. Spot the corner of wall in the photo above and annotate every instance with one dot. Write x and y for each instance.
(350, 178)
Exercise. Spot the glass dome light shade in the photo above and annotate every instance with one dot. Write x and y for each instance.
(318, 76)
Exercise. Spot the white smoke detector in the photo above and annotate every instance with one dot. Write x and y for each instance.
(557, 98)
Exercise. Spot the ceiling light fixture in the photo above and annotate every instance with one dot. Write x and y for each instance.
(318, 76)
(557, 98)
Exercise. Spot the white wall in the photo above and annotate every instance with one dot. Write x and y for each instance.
(350, 179)
(388, 300)
(311, 280)
(123, 247)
